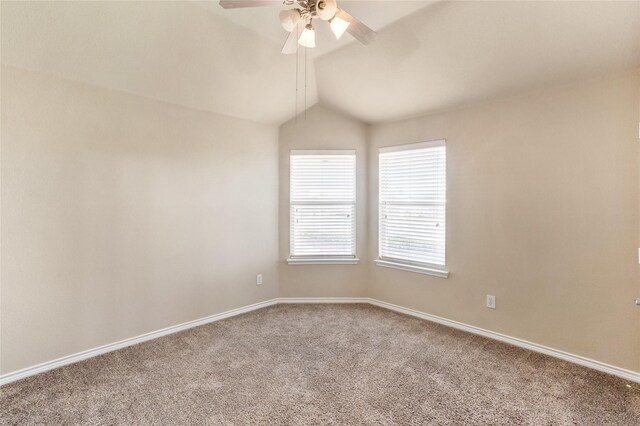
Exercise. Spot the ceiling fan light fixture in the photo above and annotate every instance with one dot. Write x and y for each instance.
(289, 19)
(302, 13)
(338, 26)
(308, 37)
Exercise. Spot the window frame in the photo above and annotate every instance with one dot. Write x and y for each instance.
(328, 259)
(436, 270)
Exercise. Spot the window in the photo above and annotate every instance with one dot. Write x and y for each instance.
(323, 207)
(412, 207)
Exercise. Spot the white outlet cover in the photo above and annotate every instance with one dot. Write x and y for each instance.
(491, 301)
(259, 279)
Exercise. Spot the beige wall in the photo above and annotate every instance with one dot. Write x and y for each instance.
(542, 211)
(122, 215)
(323, 129)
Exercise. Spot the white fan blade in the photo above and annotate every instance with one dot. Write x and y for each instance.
(291, 43)
(234, 4)
(357, 29)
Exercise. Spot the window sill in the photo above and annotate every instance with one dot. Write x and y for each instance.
(323, 261)
(440, 273)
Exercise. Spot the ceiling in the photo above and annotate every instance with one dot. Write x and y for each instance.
(450, 54)
(428, 56)
(170, 51)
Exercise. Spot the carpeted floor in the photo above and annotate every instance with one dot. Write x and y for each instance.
(319, 365)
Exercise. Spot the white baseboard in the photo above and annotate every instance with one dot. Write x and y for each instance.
(70, 359)
(323, 300)
(576, 359)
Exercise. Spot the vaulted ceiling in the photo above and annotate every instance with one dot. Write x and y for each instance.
(454, 53)
(428, 56)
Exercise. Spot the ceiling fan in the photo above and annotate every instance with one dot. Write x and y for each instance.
(298, 21)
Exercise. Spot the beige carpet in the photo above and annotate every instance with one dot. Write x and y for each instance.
(319, 365)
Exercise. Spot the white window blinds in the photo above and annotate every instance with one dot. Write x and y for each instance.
(323, 204)
(412, 210)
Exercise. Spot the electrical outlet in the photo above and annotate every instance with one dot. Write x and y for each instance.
(259, 279)
(491, 301)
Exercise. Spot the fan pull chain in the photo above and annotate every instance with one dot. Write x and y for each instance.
(305, 82)
(297, 73)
